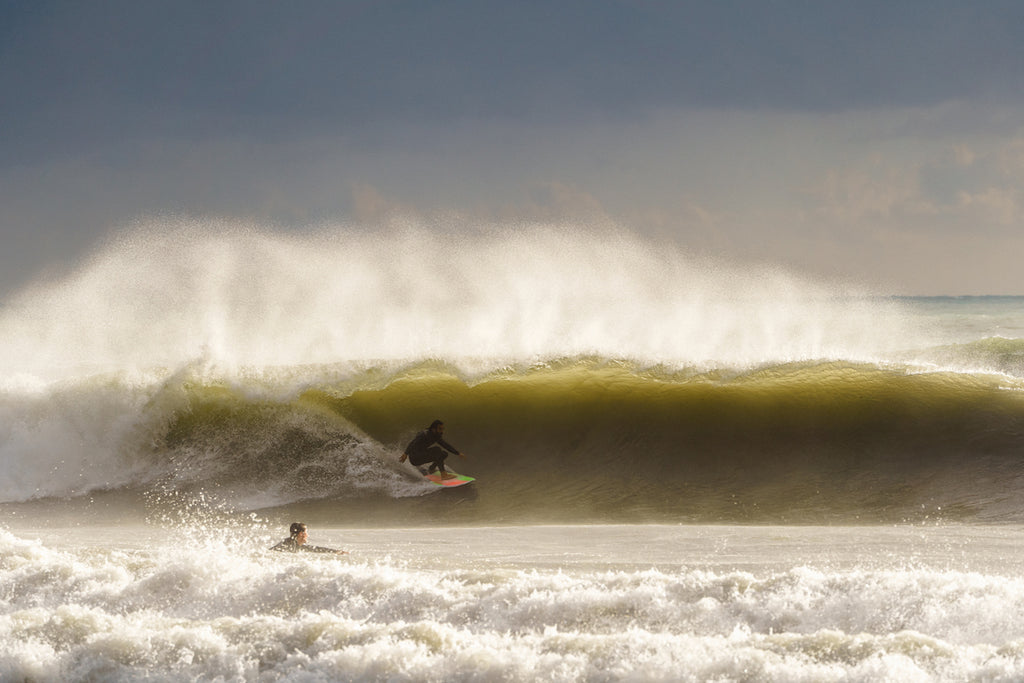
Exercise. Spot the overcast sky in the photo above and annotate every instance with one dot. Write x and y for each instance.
(881, 142)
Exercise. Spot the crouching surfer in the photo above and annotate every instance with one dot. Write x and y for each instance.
(430, 446)
(297, 542)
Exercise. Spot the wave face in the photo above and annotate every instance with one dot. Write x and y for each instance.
(589, 380)
(579, 440)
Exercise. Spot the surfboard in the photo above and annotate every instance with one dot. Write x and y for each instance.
(458, 480)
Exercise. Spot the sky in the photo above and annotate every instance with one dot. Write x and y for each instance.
(876, 142)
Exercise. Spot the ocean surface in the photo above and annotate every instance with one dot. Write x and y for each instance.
(686, 469)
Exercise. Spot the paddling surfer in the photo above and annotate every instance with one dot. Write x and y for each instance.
(430, 446)
(297, 542)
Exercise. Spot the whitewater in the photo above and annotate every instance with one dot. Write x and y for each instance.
(687, 469)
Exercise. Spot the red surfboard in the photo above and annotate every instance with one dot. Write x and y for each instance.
(457, 480)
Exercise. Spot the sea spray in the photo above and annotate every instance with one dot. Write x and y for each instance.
(167, 293)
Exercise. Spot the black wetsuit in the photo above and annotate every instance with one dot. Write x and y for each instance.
(429, 447)
(289, 545)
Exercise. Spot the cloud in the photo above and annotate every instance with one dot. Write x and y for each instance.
(78, 75)
(868, 192)
(810, 134)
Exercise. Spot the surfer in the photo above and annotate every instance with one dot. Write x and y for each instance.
(429, 446)
(297, 542)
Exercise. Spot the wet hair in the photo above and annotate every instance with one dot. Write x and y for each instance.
(297, 528)
(435, 423)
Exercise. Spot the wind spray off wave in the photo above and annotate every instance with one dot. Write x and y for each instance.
(165, 294)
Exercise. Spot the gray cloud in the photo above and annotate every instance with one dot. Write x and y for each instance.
(719, 124)
(78, 73)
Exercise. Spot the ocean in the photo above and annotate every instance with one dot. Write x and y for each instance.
(686, 469)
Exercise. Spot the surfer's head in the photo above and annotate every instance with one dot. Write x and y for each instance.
(298, 531)
(437, 427)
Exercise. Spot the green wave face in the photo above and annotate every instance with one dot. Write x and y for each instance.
(599, 440)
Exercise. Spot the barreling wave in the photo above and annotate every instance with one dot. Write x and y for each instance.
(575, 440)
(592, 376)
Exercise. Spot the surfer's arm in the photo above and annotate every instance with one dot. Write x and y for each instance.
(450, 448)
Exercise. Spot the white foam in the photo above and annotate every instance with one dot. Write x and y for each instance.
(71, 438)
(189, 605)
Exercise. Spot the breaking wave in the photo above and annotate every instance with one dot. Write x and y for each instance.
(591, 378)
